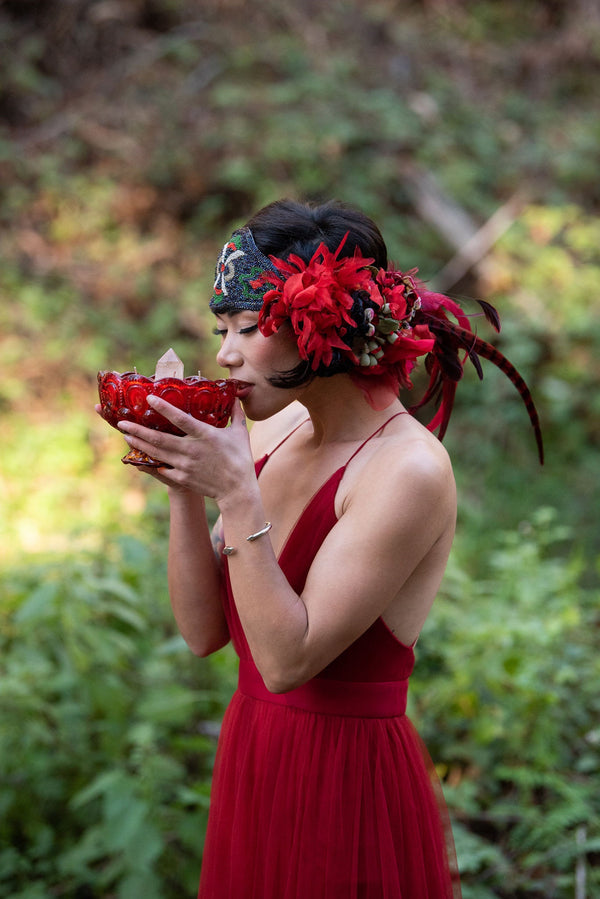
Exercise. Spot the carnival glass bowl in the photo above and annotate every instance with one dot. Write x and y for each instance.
(123, 397)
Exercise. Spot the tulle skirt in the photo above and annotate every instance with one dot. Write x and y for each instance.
(311, 805)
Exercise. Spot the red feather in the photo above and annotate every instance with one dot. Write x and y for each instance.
(446, 370)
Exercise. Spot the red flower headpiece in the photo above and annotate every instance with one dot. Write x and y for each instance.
(317, 299)
(380, 322)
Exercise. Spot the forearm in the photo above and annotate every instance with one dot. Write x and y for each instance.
(218, 463)
(273, 616)
(194, 576)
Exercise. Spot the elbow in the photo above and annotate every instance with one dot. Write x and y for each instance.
(278, 685)
(287, 667)
(283, 679)
(205, 646)
(201, 650)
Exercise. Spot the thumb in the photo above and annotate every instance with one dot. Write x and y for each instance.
(237, 414)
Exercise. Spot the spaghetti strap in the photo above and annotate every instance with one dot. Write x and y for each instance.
(374, 434)
(305, 420)
(287, 436)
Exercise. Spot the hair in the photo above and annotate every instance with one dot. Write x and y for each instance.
(287, 227)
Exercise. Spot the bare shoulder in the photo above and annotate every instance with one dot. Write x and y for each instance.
(421, 453)
(265, 435)
(409, 462)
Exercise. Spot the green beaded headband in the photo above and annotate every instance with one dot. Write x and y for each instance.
(239, 267)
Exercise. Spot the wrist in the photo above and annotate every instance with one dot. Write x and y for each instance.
(185, 499)
(240, 497)
(251, 538)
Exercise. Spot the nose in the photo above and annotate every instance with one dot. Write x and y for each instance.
(229, 355)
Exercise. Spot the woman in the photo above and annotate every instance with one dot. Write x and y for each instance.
(336, 519)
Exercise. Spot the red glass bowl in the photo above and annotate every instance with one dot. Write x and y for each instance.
(123, 398)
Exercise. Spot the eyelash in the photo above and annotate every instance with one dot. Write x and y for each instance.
(222, 332)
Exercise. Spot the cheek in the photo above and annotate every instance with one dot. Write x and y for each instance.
(280, 351)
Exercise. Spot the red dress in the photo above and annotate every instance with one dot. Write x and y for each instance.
(325, 792)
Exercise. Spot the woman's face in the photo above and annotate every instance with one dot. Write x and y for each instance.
(251, 357)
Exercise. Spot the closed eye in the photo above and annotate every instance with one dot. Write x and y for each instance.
(221, 332)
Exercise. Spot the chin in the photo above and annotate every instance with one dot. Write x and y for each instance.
(255, 410)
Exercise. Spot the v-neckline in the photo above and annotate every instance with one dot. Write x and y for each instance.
(259, 465)
(338, 473)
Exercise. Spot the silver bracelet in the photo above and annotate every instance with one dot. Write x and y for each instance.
(229, 550)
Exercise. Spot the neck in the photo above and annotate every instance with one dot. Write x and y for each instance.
(339, 410)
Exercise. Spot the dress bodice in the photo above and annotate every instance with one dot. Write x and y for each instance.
(377, 655)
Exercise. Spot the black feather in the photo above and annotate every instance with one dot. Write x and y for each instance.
(491, 314)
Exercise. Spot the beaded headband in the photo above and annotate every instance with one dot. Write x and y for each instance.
(348, 315)
(239, 266)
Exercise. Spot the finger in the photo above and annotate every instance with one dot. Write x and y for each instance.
(162, 475)
(155, 444)
(176, 416)
(150, 435)
(152, 470)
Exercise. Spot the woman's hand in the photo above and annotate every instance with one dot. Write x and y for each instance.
(210, 461)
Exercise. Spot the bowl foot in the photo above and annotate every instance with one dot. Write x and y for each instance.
(135, 457)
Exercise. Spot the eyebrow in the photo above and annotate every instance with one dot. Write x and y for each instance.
(231, 312)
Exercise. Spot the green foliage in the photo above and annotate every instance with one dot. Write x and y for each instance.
(546, 270)
(505, 695)
(105, 770)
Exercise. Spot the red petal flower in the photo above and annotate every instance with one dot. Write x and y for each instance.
(316, 297)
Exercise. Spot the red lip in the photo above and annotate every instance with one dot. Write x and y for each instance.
(243, 388)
